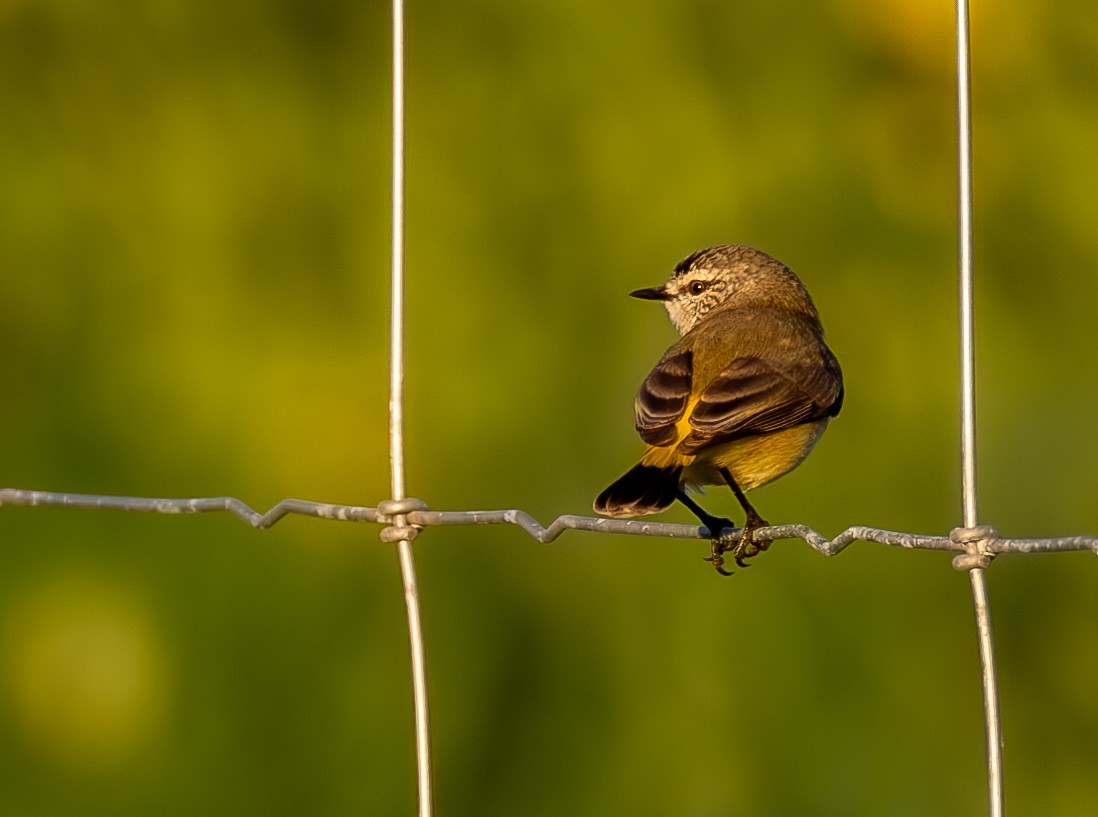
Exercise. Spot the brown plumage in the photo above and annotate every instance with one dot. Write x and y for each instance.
(740, 399)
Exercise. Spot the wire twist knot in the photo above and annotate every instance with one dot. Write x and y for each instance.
(977, 542)
(393, 512)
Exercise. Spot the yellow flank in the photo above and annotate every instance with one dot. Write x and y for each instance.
(752, 461)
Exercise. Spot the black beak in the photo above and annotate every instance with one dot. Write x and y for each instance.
(652, 294)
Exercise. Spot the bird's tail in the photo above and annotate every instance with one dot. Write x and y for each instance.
(643, 490)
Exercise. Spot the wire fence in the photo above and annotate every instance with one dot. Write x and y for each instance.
(976, 547)
(402, 517)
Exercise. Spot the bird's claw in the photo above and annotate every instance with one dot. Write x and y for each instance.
(742, 548)
(719, 545)
(716, 558)
(748, 546)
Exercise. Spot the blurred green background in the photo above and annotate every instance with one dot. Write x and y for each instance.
(193, 301)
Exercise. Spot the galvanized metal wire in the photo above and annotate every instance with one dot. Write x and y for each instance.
(416, 515)
(401, 532)
(977, 578)
(965, 269)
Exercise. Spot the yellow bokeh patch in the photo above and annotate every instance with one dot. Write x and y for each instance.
(84, 671)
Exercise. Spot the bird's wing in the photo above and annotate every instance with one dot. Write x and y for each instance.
(662, 399)
(755, 396)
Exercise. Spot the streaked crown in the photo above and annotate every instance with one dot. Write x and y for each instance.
(728, 276)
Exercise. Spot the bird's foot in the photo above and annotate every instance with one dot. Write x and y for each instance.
(742, 547)
(749, 545)
(720, 543)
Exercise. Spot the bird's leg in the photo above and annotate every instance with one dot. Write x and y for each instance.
(719, 544)
(747, 546)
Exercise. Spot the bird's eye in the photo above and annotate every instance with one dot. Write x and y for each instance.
(697, 287)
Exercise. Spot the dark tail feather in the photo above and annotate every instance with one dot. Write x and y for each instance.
(645, 489)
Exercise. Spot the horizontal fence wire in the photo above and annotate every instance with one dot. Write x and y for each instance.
(984, 540)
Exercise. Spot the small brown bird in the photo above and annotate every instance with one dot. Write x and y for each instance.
(741, 399)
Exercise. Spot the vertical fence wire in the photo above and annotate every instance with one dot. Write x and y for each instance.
(396, 314)
(968, 357)
(396, 425)
(977, 577)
